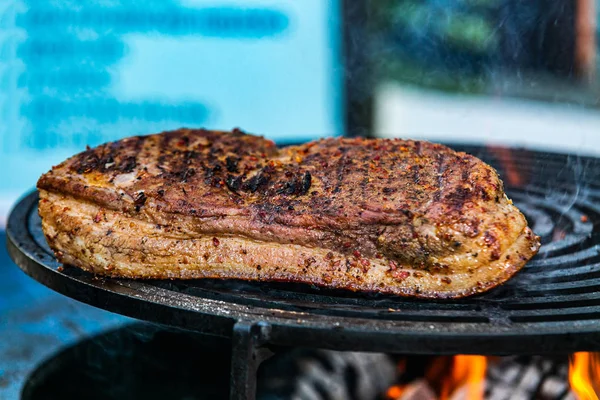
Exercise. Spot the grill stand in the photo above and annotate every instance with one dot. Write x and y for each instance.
(248, 351)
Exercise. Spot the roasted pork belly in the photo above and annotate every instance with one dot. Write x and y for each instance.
(400, 217)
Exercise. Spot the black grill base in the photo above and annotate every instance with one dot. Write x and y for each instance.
(147, 362)
(140, 361)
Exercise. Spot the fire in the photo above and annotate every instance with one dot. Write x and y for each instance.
(463, 377)
(512, 174)
(460, 376)
(584, 375)
(468, 375)
(394, 392)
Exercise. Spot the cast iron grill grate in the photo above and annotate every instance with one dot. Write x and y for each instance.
(552, 306)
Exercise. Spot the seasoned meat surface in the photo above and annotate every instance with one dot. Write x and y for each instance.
(403, 217)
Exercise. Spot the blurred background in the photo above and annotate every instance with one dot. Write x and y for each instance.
(77, 73)
(523, 73)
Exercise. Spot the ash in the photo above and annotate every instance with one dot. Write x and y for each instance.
(533, 377)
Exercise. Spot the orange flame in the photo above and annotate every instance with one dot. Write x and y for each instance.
(467, 374)
(394, 392)
(584, 375)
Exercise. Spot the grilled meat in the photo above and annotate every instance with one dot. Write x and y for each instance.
(403, 217)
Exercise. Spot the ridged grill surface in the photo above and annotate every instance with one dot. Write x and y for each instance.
(556, 293)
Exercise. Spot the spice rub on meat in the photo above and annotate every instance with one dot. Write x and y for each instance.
(402, 217)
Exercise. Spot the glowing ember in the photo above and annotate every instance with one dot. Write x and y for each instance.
(395, 392)
(584, 375)
(468, 375)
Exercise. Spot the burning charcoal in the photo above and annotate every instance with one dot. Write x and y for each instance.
(323, 374)
(553, 387)
(506, 378)
(418, 390)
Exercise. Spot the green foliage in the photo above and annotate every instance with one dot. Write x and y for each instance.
(472, 32)
(412, 73)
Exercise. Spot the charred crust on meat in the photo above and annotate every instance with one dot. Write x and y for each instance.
(306, 182)
(297, 186)
(88, 163)
(232, 164)
(128, 165)
(183, 141)
(212, 175)
(140, 199)
(258, 181)
(459, 197)
(234, 183)
(187, 174)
